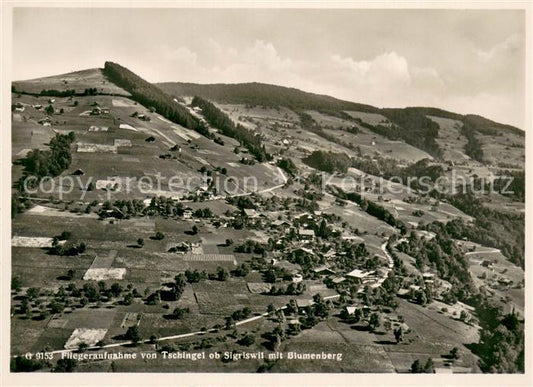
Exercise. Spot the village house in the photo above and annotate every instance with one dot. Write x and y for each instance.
(187, 213)
(279, 224)
(250, 213)
(351, 310)
(303, 303)
(359, 274)
(323, 270)
(96, 111)
(297, 278)
(47, 121)
(338, 280)
(306, 235)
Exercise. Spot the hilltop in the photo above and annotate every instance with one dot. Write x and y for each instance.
(77, 81)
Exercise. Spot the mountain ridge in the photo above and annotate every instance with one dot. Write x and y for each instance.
(287, 96)
(233, 93)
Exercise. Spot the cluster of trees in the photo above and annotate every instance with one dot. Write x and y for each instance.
(313, 313)
(328, 161)
(501, 342)
(501, 230)
(22, 364)
(473, 146)
(50, 162)
(353, 253)
(273, 273)
(68, 248)
(195, 276)
(220, 120)
(127, 208)
(380, 166)
(58, 93)
(241, 202)
(384, 295)
(308, 123)
(240, 271)
(371, 208)
(442, 253)
(512, 184)
(274, 338)
(411, 126)
(240, 314)
(288, 166)
(387, 168)
(427, 368)
(19, 204)
(290, 290)
(422, 168)
(306, 260)
(251, 246)
(178, 313)
(149, 95)
(203, 213)
(133, 334)
(415, 129)
(178, 286)
(70, 296)
(90, 91)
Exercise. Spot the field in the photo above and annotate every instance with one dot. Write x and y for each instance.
(125, 154)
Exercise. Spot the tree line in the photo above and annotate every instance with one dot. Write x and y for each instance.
(501, 230)
(149, 95)
(227, 127)
(473, 146)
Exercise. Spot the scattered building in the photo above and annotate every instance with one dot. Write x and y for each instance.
(359, 274)
(307, 235)
(187, 213)
(323, 269)
(250, 213)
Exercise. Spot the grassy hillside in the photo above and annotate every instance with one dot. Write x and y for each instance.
(409, 124)
(263, 95)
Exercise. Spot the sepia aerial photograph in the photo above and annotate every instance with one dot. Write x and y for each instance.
(266, 190)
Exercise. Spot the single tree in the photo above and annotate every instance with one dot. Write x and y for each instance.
(398, 335)
(82, 347)
(454, 353)
(416, 368)
(133, 334)
(374, 321)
